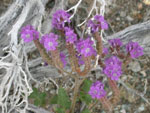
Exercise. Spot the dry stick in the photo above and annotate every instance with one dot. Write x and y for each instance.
(90, 107)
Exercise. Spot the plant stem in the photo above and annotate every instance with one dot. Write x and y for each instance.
(106, 104)
(76, 89)
(99, 43)
(78, 83)
(116, 91)
(43, 53)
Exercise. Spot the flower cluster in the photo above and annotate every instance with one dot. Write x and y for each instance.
(98, 23)
(28, 33)
(134, 49)
(97, 90)
(115, 43)
(85, 48)
(59, 18)
(113, 68)
(71, 37)
(50, 41)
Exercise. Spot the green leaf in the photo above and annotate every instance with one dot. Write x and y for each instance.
(54, 99)
(38, 97)
(63, 99)
(60, 110)
(34, 93)
(86, 111)
(85, 97)
(86, 85)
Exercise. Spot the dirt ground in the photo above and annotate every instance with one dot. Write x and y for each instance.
(121, 14)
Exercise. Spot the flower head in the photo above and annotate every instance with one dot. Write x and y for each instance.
(71, 37)
(134, 49)
(113, 71)
(98, 23)
(59, 18)
(113, 60)
(97, 90)
(115, 43)
(85, 48)
(101, 21)
(28, 33)
(113, 68)
(50, 41)
(88, 50)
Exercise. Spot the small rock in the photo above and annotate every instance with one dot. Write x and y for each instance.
(129, 18)
(140, 6)
(143, 73)
(123, 111)
(53, 91)
(135, 66)
(123, 14)
(118, 19)
(141, 108)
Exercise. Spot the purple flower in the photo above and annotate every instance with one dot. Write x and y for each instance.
(71, 37)
(59, 18)
(81, 43)
(93, 26)
(101, 21)
(115, 43)
(134, 49)
(113, 60)
(43, 38)
(113, 68)
(105, 51)
(63, 59)
(50, 41)
(97, 90)
(28, 33)
(88, 50)
(84, 47)
(113, 72)
(98, 23)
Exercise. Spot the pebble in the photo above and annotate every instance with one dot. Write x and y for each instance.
(143, 73)
(141, 108)
(122, 14)
(135, 66)
(140, 6)
(123, 111)
(53, 91)
(129, 18)
(118, 19)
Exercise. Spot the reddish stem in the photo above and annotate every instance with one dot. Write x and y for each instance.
(99, 44)
(116, 91)
(106, 104)
(43, 52)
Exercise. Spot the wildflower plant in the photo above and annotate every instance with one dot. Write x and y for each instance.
(81, 51)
